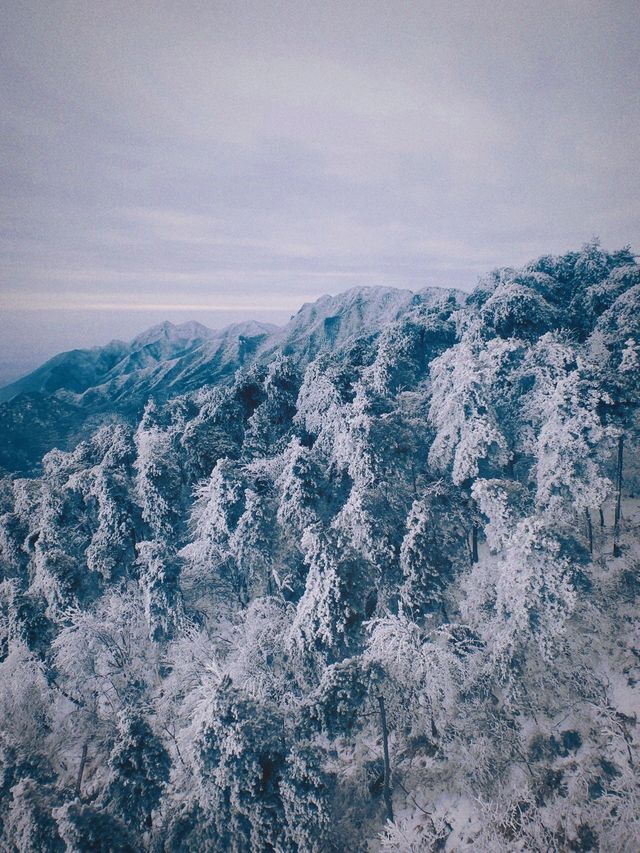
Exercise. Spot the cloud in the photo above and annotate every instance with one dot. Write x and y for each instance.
(258, 151)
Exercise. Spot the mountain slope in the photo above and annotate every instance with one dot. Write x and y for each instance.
(333, 320)
(384, 600)
(76, 371)
(79, 370)
(85, 387)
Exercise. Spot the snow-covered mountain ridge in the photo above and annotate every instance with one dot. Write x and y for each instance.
(328, 320)
(79, 370)
(167, 360)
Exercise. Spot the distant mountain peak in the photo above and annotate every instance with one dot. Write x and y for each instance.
(249, 329)
(168, 331)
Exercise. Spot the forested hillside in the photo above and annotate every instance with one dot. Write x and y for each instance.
(375, 588)
(66, 399)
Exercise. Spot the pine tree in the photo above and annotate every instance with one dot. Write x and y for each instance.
(86, 829)
(215, 514)
(333, 604)
(138, 771)
(158, 477)
(433, 550)
(305, 791)
(29, 823)
(269, 424)
(158, 579)
(468, 432)
(254, 544)
(570, 444)
(240, 762)
(297, 485)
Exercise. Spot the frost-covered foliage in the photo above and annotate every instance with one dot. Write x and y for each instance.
(372, 592)
(464, 412)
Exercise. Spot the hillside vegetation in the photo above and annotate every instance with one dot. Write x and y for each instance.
(371, 584)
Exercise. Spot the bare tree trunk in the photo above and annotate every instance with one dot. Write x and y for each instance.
(83, 761)
(589, 529)
(619, 482)
(618, 511)
(387, 766)
(474, 544)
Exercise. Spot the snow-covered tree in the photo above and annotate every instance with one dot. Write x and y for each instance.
(158, 574)
(503, 503)
(527, 592)
(268, 425)
(298, 488)
(571, 448)
(57, 570)
(240, 758)
(407, 346)
(469, 435)
(516, 311)
(84, 828)
(306, 792)
(334, 600)
(320, 407)
(253, 545)
(270, 614)
(215, 432)
(217, 509)
(434, 549)
(138, 770)
(158, 477)
(107, 657)
(29, 822)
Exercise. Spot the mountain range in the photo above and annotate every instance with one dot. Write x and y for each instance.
(69, 395)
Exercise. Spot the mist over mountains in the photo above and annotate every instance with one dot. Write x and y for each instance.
(368, 581)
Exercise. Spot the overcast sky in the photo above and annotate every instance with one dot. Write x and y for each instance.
(225, 159)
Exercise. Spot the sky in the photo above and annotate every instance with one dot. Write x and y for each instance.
(225, 160)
